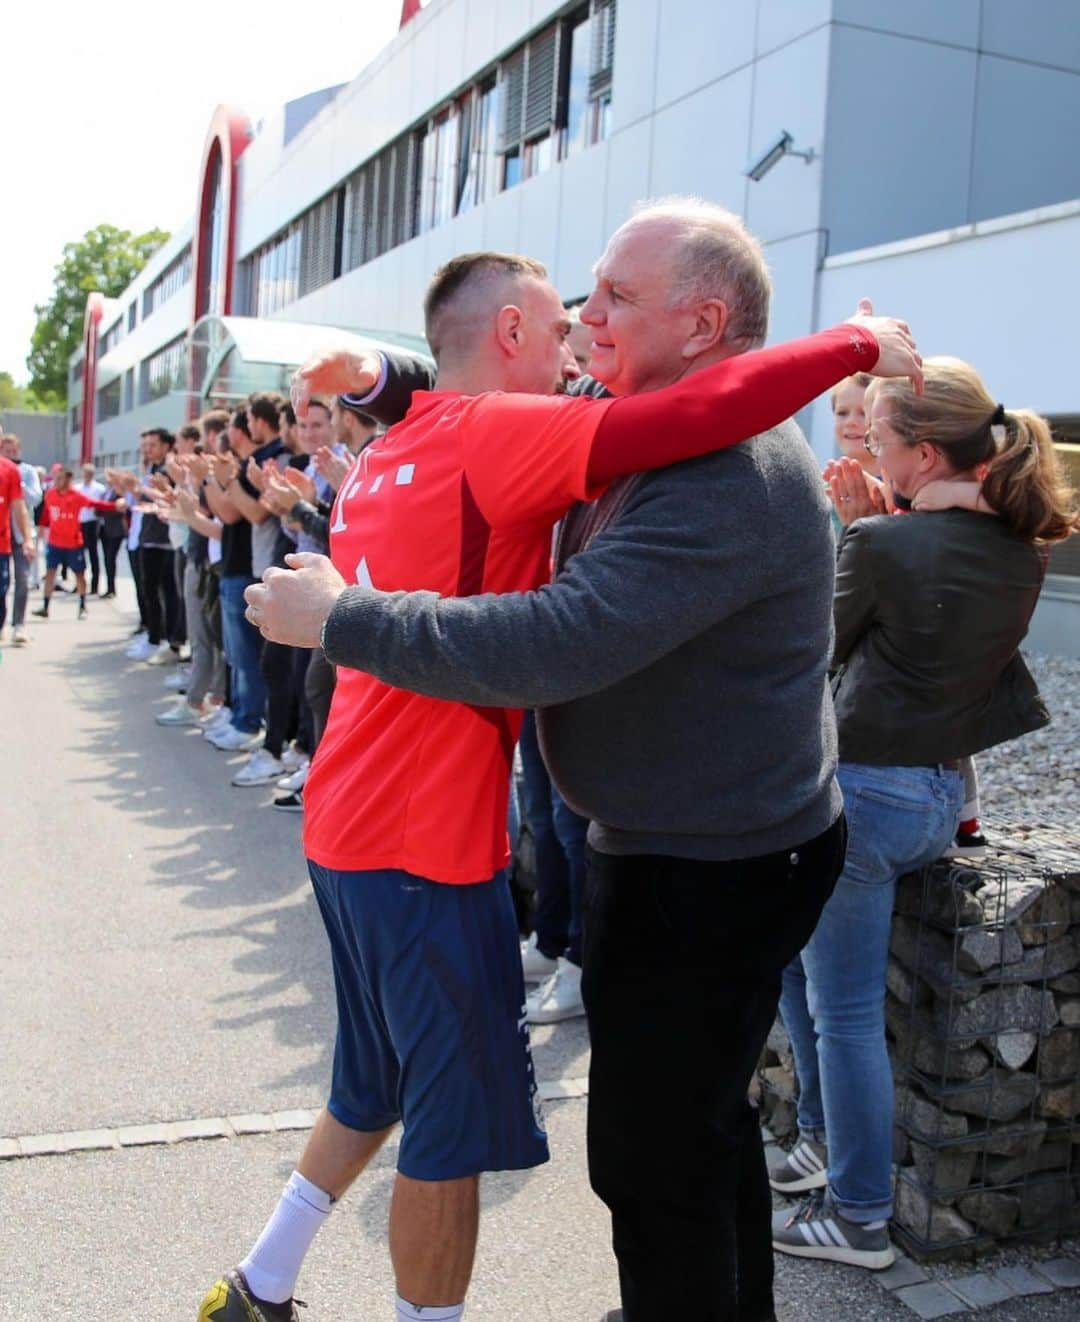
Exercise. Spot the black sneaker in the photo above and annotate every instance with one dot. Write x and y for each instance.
(230, 1300)
(967, 844)
(42, 612)
(293, 802)
(82, 613)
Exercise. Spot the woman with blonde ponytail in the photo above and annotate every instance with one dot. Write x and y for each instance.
(930, 611)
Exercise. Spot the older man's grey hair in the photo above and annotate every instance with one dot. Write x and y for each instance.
(717, 258)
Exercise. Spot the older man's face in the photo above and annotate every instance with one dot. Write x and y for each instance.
(637, 336)
(9, 448)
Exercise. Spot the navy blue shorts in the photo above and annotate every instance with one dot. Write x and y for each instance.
(62, 557)
(431, 1021)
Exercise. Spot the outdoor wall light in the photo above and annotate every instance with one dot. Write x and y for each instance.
(783, 146)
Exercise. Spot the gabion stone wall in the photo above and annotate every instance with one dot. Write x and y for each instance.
(983, 1019)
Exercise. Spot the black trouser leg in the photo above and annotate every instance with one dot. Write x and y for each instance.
(682, 965)
(135, 561)
(178, 634)
(319, 691)
(110, 548)
(154, 570)
(305, 720)
(281, 700)
(91, 532)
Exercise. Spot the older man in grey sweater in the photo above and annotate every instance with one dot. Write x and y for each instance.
(678, 664)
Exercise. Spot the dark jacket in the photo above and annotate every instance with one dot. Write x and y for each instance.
(930, 612)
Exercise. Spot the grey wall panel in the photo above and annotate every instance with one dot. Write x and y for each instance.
(954, 21)
(898, 165)
(1047, 31)
(1025, 131)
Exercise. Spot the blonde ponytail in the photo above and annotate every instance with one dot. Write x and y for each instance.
(1026, 481)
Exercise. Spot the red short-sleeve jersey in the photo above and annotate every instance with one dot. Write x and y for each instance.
(61, 517)
(10, 491)
(456, 501)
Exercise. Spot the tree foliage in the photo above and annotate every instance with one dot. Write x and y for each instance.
(105, 259)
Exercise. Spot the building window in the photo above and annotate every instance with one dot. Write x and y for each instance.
(528, 89)
(128, 398)
(76, 372)
(478, 161)
(108, 401)
(76, 418)
(132, 317)
(161, 372)
(174, 277)
(439, 154)
(112, 337)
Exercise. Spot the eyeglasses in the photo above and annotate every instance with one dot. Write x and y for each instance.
(875, 447)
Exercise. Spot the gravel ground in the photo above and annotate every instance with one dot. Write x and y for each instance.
(1035, 779)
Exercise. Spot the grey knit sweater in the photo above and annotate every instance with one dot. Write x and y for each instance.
(679, 661)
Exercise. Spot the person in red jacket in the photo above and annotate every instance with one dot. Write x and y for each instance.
(64, 548)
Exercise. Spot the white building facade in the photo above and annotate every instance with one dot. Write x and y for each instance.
(936, 184)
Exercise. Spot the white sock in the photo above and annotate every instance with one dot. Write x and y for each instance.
(407, 1312)
(272, 1266)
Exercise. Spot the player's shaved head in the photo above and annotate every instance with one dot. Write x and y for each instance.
(465, 295)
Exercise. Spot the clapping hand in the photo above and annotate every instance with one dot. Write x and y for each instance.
(278, 497)
(330, 466)
(301, 484)
(855, 494)
(225, 468)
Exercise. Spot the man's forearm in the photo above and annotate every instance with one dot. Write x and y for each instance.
(23, 520)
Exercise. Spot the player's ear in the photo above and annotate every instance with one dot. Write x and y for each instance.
(509, 329)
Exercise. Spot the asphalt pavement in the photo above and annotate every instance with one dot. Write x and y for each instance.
(162, 961)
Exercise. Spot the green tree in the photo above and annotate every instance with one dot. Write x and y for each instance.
(106, 259)
(11, 396)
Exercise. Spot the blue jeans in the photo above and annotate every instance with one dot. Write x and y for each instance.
(243, 650)
(559, 839)
(833, 1002)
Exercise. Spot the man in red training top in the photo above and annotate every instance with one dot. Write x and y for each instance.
(406, 802)
(12, 510)
(64, 548)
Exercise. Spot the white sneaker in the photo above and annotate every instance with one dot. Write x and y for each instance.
(178, 714)
(232, 740)
(162, 655)
(19, 636)
(136, 641)
(214, 716)
(293, 759)
(536, 966)
(260, 769)
(558, 998)
(178, 681)
(296, 782)
(142, 651)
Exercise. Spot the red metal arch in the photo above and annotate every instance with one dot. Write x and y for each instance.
(95, 310)
(227, 139)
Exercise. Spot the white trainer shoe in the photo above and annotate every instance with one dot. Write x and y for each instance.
(293, 758)
(178, 681)
(534, 965)
(178, 714)
(19, 636)
(261, 768)
(215, 716)
(295, 783)
(557, 999)
(142, 651)
(162, 655)
(232, 740)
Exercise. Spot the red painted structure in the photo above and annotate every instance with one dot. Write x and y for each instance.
(95, 310)
(409, 9)
(228, 138)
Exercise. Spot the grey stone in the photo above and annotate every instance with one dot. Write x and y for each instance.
(137, 1136)
(980, 1290)
(902, 1272)
(211, 1126)
(907, 989)
(925, 1119)
(918, 1043)
(1059, 1055)
(1022, 1281)
(1014, 1049)
(989, 950)
(1060, 1102)
(780, 1080)
(1001, 1171)
(1069, 1010)
(929, 1221)
(998, 1095)
(1062, 1272)
(944, 1172)
(1015, 1140)
(1005, 1009)
(993, 1212)
(931, 1300)
(944, 900)
(922, 950)
(1039, 962)
(778, 1039)
(1070, 982)
(1047, 918)
(1045, 1202)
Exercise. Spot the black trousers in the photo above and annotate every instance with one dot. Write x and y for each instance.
(110, 547)
(681, 981)
(282, 699)
(159, 593)
(91, 535)
(319, 691)
(135, 561)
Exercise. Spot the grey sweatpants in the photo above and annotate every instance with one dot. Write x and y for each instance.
(207, 661)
